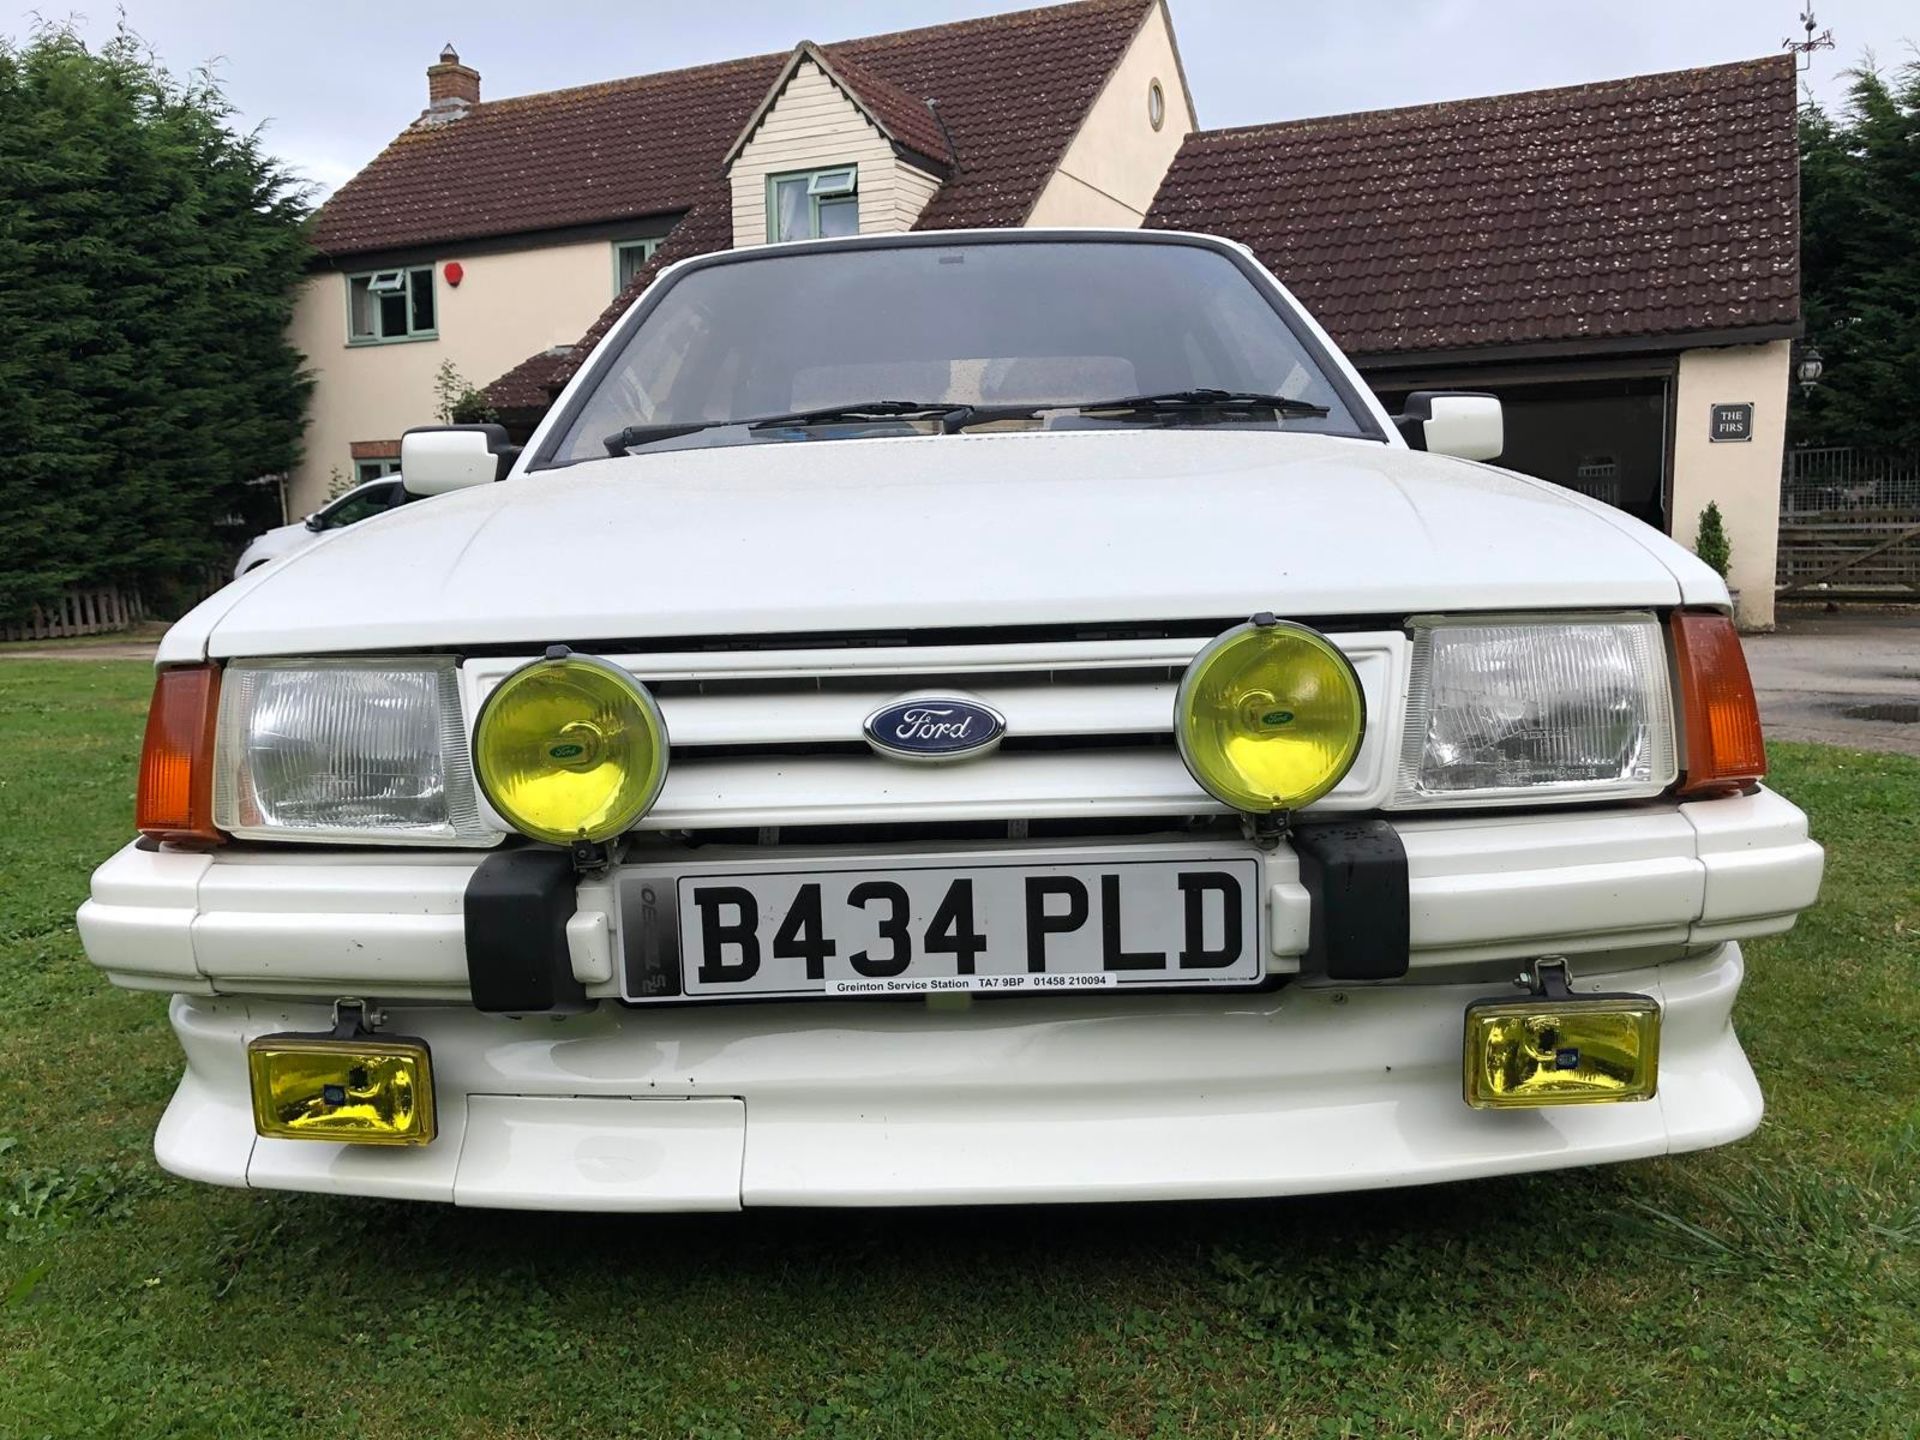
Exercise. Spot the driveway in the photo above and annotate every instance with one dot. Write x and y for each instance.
(1851, 678)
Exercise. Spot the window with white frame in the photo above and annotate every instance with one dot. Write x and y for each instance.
(811, 204)
(629, 257)
(365, 470)
(391, 305)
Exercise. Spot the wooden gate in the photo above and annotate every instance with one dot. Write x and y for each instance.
(1850, 525)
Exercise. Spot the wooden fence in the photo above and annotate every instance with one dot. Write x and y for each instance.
(103, 609)
(1849, 525)
(78, 612)
(1855, 554)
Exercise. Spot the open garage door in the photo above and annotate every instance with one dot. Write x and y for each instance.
(1607, 438)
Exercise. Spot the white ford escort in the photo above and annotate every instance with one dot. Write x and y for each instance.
(955, 718)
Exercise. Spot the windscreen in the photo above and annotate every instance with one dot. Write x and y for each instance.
(1037, 324)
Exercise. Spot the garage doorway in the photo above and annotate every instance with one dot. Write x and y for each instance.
(1606, 438)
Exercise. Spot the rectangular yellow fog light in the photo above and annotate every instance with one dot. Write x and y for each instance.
(368, 1090)
(1556, 1050)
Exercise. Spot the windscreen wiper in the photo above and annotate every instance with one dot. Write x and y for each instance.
(621, 441)
(1234, 401)
(951, 413)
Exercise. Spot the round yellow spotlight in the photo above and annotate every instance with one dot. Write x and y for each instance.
(570, 748)
(1269, 716)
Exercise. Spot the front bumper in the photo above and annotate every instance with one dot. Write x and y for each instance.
(1309, 1087)
(1007, 1099)
(1624, 886)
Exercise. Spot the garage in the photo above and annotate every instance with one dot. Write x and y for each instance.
(1618, 262)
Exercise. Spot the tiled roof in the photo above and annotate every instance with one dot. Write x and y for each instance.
(901, 118)
(646, 146)
(1011, 89)
(524, 387)
(1652, 206)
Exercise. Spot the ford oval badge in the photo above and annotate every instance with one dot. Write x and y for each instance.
(932, 728)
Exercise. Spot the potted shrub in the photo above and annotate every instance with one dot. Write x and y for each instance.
(1710, 543)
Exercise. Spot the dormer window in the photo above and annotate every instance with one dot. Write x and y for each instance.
(812, 204)
(390, 305)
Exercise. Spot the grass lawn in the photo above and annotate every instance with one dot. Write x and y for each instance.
(1769, 1289)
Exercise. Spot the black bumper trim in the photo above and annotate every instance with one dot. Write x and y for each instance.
(517, 906)
(1356, 874)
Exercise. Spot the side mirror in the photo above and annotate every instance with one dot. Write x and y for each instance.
(1453, 422)
(437, 458)
(312, 522)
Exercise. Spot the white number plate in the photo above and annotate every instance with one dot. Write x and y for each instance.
(911, 929)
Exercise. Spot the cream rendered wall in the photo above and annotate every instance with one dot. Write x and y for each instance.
(1743, 477)
(508, 305)
(813, 125)
(1116, 162)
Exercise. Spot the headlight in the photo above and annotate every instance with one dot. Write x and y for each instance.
(570, 748)
(1527, 708)
(1269, 716)
(344, 750)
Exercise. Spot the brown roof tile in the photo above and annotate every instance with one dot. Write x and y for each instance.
(1011, 88)
(523, 389)
(1651, 206)
(624, 149)
(900, 117)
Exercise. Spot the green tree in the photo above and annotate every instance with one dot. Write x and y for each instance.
(1860, 264)
(149, 258)
(1710, 541)
(456, 402)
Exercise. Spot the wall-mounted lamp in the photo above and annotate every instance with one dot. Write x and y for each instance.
(1810, 369)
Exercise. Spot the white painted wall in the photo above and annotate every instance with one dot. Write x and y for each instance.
(1742, 477)
(507, 306)
(813, 125)
(1114, 165)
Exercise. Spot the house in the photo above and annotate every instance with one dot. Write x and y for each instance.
(1619, 262)
(492, 234)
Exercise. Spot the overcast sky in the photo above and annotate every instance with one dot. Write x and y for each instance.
(335, 81)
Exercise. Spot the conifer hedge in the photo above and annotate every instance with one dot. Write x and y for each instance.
(149, 260)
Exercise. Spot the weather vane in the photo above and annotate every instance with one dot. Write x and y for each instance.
(1805, 48)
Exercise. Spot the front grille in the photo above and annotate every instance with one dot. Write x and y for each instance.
(768, 738)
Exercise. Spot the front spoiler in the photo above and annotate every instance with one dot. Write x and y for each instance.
(1010, 1100)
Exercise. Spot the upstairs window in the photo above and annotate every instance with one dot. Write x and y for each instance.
(629, 257)
(813, 204)
(390, 305)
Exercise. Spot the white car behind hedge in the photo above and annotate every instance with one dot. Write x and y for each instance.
(955, 718)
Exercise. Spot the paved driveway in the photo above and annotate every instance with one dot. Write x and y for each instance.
(1851, 678)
